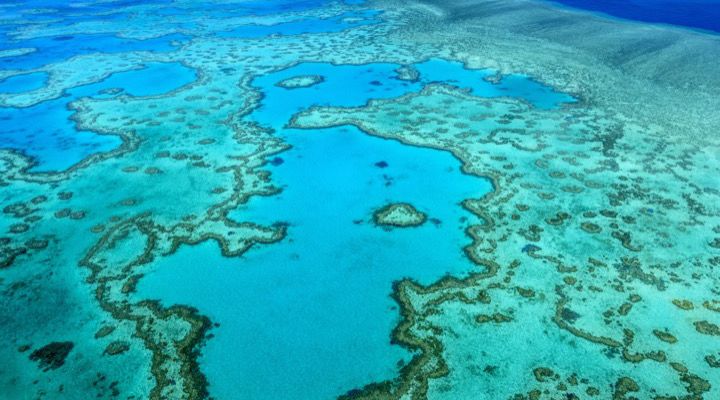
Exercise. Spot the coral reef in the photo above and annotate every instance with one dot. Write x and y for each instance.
(297, 82)
(595, 255)
(399, 215)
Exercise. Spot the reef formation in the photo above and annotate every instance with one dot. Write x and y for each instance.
(302, 81)
(594, 262)
(399, 215)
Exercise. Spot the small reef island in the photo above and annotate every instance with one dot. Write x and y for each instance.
(399, 215)
(300, 81)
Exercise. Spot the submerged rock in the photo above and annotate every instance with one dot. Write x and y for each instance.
(117, 347)
(53, 355)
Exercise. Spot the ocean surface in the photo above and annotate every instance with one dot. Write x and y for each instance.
(245, 199)
(696, 14)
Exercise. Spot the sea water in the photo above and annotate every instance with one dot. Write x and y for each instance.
(311, 317)
(696, 14)
(46, 132)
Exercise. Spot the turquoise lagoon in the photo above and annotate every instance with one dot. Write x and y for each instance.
(311, 317)
(47, 133)
(57, 48)
(23, 83)
(305, 25)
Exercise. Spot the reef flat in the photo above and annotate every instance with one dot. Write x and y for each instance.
(574, 163)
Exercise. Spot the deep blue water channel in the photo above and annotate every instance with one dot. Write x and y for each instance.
(697, 14)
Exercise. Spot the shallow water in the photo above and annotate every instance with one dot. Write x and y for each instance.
(58, 48)
(233, 249)
(23, 83)
(46, 132)
(289, 310)
(305, 25)
(310, 317)
(325, 289)
(514, 85)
